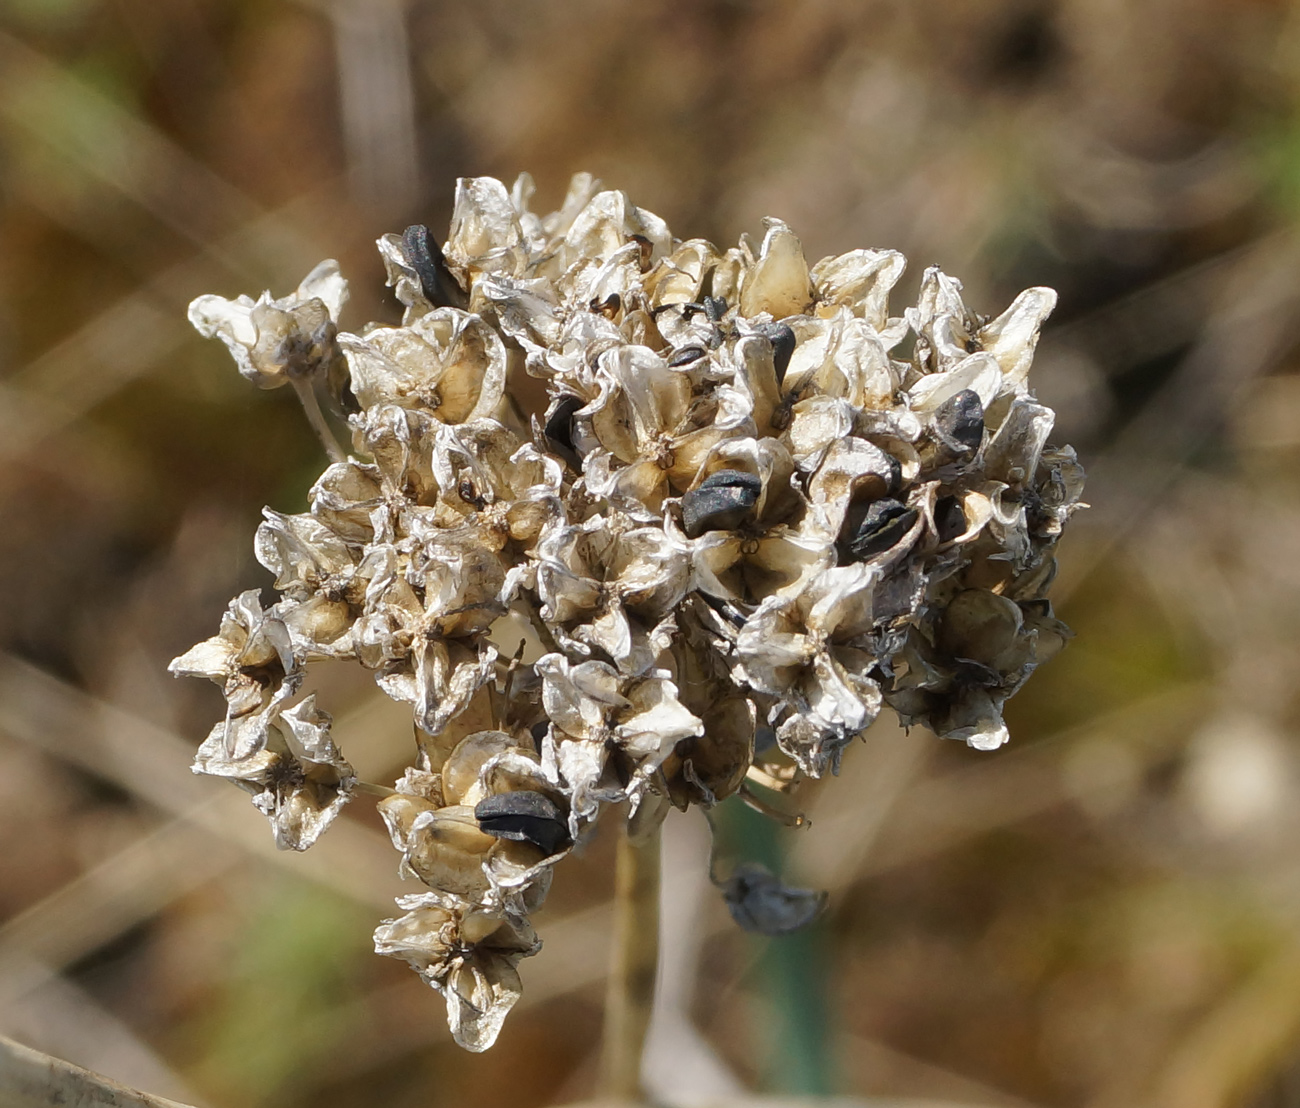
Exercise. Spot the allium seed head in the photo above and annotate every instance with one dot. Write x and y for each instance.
(628, 519)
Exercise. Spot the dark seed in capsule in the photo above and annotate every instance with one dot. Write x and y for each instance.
(722, 502)
(524, 816)
(959, 421)
(686, 355)
(782, 339)
(873, 528)
(426, 258)
(559, 427)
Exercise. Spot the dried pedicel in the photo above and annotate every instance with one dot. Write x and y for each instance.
(734, 525)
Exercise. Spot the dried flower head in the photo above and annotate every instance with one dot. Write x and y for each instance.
(738, 523)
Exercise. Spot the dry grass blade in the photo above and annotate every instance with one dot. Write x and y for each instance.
(111, 897)
(59, 1017)
(938, 813)
(154, 764)
(30, 1079)
(131, 337)
(115, 147)
(1245, 334)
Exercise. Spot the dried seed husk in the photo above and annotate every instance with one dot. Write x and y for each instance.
(763, 904)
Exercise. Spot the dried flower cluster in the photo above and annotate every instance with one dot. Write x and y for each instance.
(734, 525)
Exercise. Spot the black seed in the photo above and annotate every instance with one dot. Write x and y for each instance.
(949, 518)
(959, 422)
(348, 399)
(426, 258)
(686, 355)
(646, 252)
(782, 339)
(609, 306)
(872, 528)
(539, 731)
(729, 612)
(468, 493)
(733, 478)
(723, 501)
(559, 427)
(526, 817)
(715, 307)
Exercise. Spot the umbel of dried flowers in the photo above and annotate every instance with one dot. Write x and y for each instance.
(627, 519)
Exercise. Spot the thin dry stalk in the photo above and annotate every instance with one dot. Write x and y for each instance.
(311, 407)
(629, 999)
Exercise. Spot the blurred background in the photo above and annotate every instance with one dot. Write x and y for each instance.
(1104, 913)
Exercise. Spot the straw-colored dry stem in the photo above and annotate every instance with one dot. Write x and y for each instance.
(630, 997)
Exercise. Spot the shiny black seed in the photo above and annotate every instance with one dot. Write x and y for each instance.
(559, 428)
(782, 339)
(715, 307)
(872, 528)
(426, 258)
(733, 478)
(959, 422)
(949, 518)
(686, 355)
(539, 731)
(727, 611)
(723, 501)
(526, 817)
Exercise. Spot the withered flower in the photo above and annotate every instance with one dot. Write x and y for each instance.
(276, 341)
(297, 776)
(469, 955)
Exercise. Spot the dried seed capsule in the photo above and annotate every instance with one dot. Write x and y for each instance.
(526, 817)
(559, 428)
(721, 503)
(959, 422)
(782, 339)
(425, 255)
(872, 528)
(761, 903)
(686, 355)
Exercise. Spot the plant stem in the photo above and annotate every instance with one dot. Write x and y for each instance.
(311, 406)
(630, 997)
